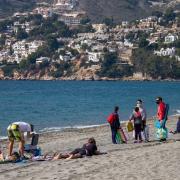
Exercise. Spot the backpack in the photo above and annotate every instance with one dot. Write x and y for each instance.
(137, 118)
(111, 118)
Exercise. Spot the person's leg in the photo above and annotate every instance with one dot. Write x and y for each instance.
(75, 156)
(10, 148)
(61, 156)
(21, 147)
(11, 140)
(139, 132)
(136, 132)
(114, 131)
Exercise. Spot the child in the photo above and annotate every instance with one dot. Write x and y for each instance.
(137, 118)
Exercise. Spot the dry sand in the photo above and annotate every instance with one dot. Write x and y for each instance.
(145, 161)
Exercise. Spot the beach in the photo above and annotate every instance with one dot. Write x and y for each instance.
(154, 160)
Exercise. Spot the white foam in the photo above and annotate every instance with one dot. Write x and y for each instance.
(56, 129)
(3, 137)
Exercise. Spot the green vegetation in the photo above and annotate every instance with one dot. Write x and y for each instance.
(112, 68)
(21, 34)
(157, 67)
(61, 69)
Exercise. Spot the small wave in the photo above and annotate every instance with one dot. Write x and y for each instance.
(3, 137)
(177, 112)
(57, 129)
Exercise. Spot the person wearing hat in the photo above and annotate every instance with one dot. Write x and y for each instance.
(161, 109)
(16, 131)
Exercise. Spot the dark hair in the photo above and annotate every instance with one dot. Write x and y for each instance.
(136, 109)
(116, 108)
(139, 100)
(92, 140)
(32, 127)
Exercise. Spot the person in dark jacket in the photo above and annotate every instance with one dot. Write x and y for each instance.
(137, 118)
(115, 124)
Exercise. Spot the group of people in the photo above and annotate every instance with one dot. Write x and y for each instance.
(139, 117)
(16, 131)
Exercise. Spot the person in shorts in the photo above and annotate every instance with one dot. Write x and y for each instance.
(16, 132)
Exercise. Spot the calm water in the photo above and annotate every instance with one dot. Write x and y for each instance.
(56, 104)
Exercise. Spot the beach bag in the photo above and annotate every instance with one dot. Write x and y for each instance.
(35, 139)
(157, 124)
(111, 118)
(121, 137)
(162, 133)
(118, 138)
(130, 126)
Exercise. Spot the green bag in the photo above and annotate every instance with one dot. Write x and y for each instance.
(162, 133)
(118, 138)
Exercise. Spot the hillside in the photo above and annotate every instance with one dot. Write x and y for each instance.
(8, 7)
(120, 10)
(97, 10)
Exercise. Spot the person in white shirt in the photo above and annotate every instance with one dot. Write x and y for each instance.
(16, 131)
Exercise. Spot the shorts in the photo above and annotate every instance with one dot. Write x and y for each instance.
(14, 133)
(80, 151)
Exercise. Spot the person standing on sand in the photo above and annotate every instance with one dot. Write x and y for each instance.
(144, 116)
(161, 109)
(16, 131)
(113, 119)
(162, 116)
(137, 118)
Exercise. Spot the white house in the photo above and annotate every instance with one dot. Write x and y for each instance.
(42, 60)
(166, 52)
(170, 38)
(94, 57)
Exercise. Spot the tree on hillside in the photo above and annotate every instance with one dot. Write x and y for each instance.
(109, 21)
(85, 20)
(21, 34)
(2, 40)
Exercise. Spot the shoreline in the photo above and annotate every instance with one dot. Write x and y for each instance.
(76, 128)
(109, 80)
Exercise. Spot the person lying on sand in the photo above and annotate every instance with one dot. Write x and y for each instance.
(87, 149)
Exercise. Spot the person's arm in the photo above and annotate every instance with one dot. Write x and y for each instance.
(118, 122)
(29, 134)
(131, 117)
(99, 153)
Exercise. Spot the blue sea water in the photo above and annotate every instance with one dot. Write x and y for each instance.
(51, 105)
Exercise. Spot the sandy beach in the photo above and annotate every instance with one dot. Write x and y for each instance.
(153, 160)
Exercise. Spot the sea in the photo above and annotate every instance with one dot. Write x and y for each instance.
(58, 105)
